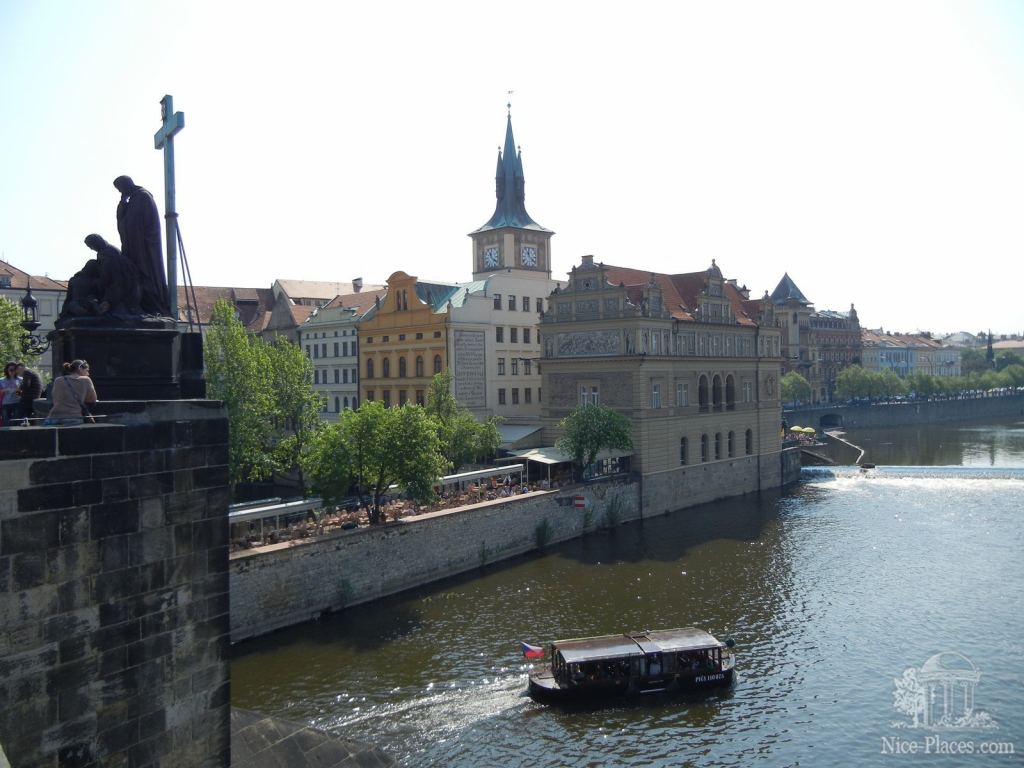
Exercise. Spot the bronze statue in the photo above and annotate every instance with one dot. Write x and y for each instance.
(107, 286)
(138, 224)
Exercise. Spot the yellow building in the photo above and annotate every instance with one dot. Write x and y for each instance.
(403, 340)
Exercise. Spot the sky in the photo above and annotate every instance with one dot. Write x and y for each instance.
(874, 151)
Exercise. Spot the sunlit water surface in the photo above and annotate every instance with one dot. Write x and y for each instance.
(831, 590)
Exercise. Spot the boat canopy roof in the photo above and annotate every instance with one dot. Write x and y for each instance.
(637, 644)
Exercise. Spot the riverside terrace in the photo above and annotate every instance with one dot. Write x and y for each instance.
(273, 522)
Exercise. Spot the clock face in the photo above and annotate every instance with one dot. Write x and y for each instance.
(529, 256)
(490, 257)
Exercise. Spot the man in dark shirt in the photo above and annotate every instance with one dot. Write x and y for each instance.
(31, 388)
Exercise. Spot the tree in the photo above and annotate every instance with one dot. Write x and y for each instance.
(973, 361)
(852, 382)
(296, 405)
(238, 373)
(463, 438)
(794, 387)
(1007, 357)
(11, 334)
(590, 429)
(374, 448)
(890, 384)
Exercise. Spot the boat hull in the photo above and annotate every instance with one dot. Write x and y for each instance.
(545, 689)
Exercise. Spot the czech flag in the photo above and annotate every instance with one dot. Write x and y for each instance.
(532, 651)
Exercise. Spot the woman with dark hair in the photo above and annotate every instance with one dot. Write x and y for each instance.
(11, 387)
(70, 394)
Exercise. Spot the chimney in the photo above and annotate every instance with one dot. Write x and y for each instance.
(588, 261)
(357, 285)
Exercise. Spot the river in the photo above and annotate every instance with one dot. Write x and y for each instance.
(832, 590)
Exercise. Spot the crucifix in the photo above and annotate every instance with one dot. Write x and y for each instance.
(164, 139)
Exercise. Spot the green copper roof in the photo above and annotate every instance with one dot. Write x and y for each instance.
(510, 183)
(787, 290)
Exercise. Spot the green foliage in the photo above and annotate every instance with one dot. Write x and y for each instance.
(296, 404)
(590, 429)
(11, 334)
(376, 447)
(973, 361)
(237, 373)
(463, 438)
(613, 512)
(268, 392)
(1008, 357)
(794, 387)
(543, 533)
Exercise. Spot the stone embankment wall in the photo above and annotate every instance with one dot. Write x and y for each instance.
(290, 583)
(703, 483)
(293, 582)
(881, 415)
(114, 646)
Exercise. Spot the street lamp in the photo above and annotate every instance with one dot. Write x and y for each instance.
(30, 341)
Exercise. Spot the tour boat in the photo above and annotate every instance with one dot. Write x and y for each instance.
(662, 661)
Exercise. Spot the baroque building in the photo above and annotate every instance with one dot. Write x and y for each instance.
(689, 359)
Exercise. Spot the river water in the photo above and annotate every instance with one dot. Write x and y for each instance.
(831, 590)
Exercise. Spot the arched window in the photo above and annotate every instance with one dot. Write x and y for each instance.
(401, 367)
(337, 404)
(750, 442)
(718, 445)
(704, 447)
(385, 367)
(419, 366)
(437, 363)
(730, 393)
(346, 402)
(683, 450)
(702, 393)
(369, 368)
(716, 392)
(732, 443)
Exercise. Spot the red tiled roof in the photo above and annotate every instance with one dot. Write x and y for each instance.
(681, 293)
(253, 305)
(20, 279)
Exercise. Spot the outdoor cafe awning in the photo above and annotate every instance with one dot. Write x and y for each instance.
(552, 455)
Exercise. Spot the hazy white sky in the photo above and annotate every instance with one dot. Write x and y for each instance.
(872, 150)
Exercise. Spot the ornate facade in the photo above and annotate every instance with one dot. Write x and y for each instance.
(689, 359)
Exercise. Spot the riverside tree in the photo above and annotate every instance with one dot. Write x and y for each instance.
(793, 387)
(590, 429)
(237, 373)
(11, 334)
(374, 448)
(296, 405)
(463, 438)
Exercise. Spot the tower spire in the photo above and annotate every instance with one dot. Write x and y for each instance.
(510, 186)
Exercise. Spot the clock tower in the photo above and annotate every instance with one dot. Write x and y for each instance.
(511, 239)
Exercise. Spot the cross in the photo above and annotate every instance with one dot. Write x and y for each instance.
(164, 139)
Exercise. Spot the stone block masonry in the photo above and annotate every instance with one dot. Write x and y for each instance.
(290, 583)
(114, 628)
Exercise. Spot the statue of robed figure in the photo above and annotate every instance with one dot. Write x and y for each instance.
(138, 224)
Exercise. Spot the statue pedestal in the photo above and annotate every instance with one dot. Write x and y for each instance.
(152, 362)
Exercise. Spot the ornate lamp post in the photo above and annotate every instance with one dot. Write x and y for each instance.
(31, 342)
